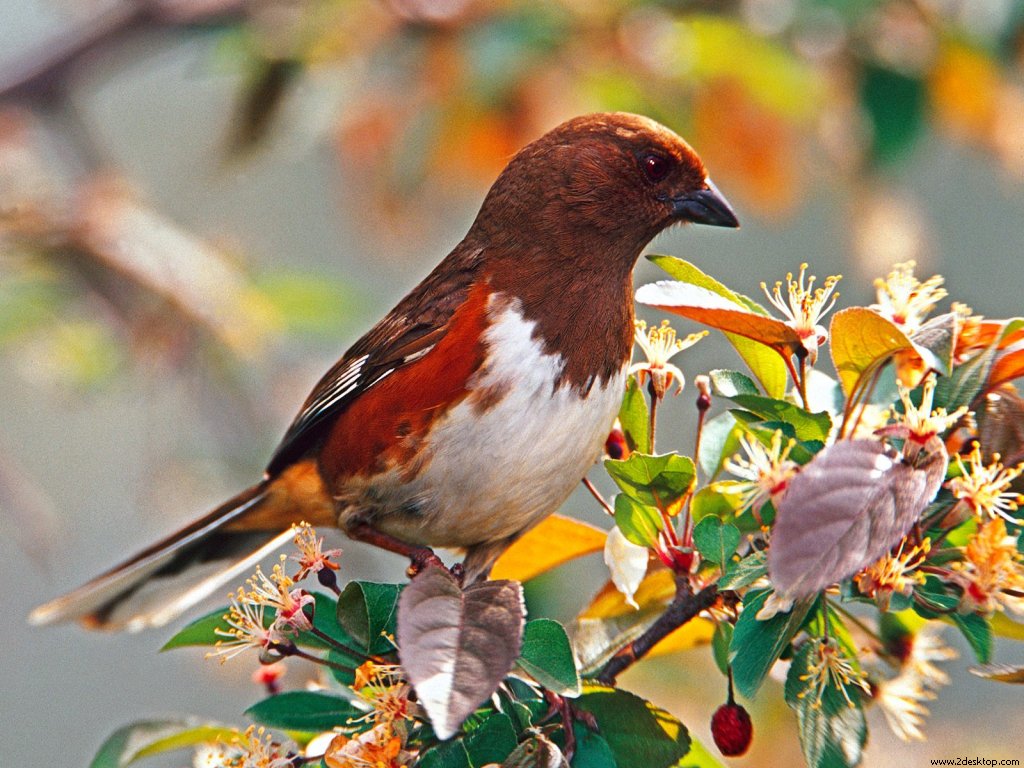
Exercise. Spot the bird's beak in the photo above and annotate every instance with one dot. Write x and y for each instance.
(705, 206)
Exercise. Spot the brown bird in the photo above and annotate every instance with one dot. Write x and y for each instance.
(472, 410)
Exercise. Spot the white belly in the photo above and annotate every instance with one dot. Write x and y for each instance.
(510, 453)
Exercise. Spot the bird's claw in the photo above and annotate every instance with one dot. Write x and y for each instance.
(458, 572)
(421, 559)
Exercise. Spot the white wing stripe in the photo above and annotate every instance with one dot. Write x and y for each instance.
(344, 384)
(380, 378)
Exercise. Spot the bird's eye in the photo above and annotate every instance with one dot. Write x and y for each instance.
(655, 167)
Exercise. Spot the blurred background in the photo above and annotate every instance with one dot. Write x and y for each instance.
(204, 202)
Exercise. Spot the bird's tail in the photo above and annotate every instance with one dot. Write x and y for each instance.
(174, 574)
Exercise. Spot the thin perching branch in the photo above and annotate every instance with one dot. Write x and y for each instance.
(684, 607)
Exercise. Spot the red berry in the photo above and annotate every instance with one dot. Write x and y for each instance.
(732, 730)
(615, 447)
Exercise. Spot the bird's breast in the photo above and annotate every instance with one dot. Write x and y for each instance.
(508, 453)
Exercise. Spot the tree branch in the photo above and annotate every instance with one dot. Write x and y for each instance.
(684, 606)
(42, 74)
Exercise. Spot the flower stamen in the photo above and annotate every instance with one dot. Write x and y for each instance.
(985, 488)
(904, 299)
(659, 345)
(804, 306)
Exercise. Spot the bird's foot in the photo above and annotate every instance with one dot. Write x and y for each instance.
(458, 572)
(421, 558)
(424, 557)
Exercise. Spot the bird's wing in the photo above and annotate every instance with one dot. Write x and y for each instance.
(405, 335)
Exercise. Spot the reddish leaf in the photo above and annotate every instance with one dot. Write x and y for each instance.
(763, 361)
(1008, 366)
(845, 509)
(709, 308)
(456, 645)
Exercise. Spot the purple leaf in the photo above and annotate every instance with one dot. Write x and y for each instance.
(845, 509)
(456, 645)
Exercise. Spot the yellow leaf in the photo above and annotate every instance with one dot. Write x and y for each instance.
(657, 588)
(609, 622)
(1004, 626)
(862, 340)
(696, 632)
(554, 541)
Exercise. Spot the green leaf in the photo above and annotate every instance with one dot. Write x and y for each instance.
(637, 732)
(685, 272)
(719, 440)
(343, 666)
(592, 751)
(447, 754)
(895, 104)
(639, 523)
(801, 452)
(201, 631)
(325, 619)
(635, 418)
(520, 714)
(935, 598)
(832, 733)
(720, 642)
(756, 645)
(714, 501)
(744, 572)
(366, 611)
(968, 378)
(152, 737)
(978, 632)
(658, 481)
(764, 362)
(806, 426)
(548, 658)
(729, 384)
(304, 711)
(966, 381)
(715, 540)
(492, 741)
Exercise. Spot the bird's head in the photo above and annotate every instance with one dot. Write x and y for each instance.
(608, 181)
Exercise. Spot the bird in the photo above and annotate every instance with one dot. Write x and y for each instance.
(472, 410)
